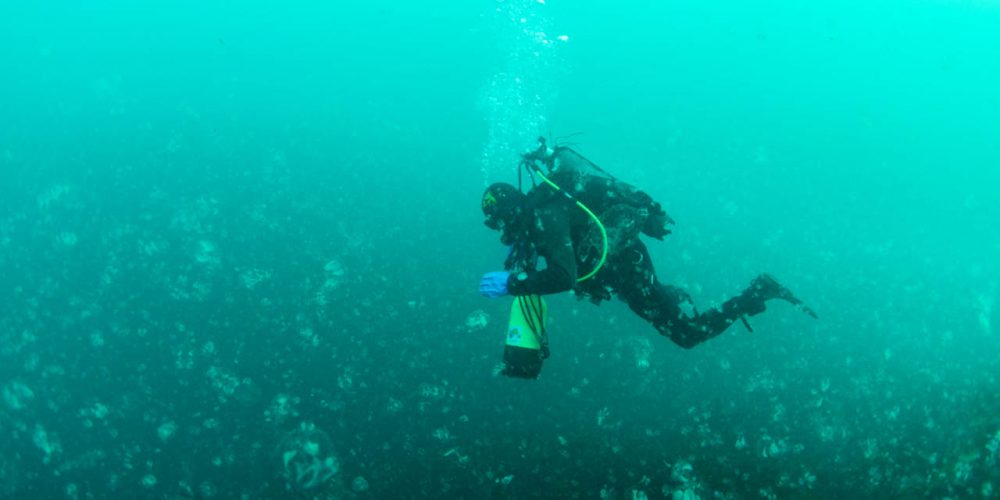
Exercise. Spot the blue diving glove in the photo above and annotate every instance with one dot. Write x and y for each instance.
(494, 284)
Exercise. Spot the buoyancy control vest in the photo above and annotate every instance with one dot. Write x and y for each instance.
(625, 210)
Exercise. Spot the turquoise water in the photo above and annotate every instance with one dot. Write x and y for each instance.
(240, 246)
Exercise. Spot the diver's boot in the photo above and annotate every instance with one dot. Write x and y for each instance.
(765, 287)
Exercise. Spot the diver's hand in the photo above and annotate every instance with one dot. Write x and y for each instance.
(494, 284)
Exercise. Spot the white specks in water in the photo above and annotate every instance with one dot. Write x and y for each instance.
(477, 320)
(68, 238)
(166, 430)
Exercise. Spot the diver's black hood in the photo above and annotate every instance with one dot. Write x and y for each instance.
(503, 205)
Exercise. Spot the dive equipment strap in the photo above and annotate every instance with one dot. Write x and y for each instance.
(528, 162)
(532, 311)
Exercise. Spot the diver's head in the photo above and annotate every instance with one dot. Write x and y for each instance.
(502, 206)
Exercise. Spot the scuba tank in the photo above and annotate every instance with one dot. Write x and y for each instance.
(527, 343)
(602, 192)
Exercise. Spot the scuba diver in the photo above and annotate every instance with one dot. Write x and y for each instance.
(585, 225)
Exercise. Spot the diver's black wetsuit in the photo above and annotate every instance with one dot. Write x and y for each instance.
(556, 233)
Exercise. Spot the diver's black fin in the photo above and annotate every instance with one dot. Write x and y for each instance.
(767, 287)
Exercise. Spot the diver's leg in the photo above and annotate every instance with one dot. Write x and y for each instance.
(670, 310)
(750, 302)
(667, 308)
(713, 322)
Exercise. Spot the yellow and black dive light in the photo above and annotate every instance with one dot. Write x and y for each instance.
(527, 343)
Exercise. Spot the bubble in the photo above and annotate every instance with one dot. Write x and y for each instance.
(682, 482)
(870, 448)
(148, 481)
(442, 434)
(360, 484)
(516, 99)
(307, 459)
(642, 348)
(333, 269)
(741, 442)
(682, 473)
(225, 383)
(45, 442)
(16, 395)
(430, 391)
(281, 406)
(68, 238)
(993, 446)
(462, 459)
(963, 471)
(394, 405)
(602, 416)
(166, 430)
(477, 320)
(333, 273)
(206, 253)
(46, 199)
(252, 277)
(311, 448)
(207, 489)
(986, 312)
(345, 381)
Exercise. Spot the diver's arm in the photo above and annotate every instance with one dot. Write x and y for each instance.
(555, 244)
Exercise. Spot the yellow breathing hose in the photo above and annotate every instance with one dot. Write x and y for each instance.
(604, 234)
